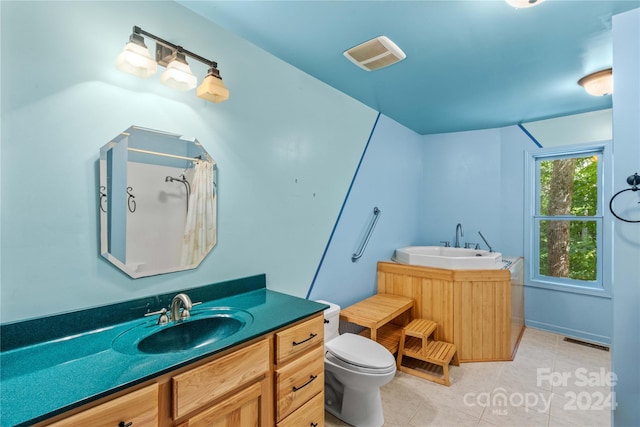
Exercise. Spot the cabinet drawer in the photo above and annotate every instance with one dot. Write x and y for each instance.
(206, 383)
(299, 381)
(138, 407)
(297, 339)
(310, 414)
(240, 410)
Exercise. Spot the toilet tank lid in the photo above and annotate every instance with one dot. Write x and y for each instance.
(360, 351)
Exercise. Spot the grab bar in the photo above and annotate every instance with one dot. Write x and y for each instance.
(363, 245)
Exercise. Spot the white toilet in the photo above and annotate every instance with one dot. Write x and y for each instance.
(355, 369)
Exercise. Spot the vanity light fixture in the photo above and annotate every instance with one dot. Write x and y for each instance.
(178, 74)
(135, 59)
(521, 4)
(212, 89)
(599, 83)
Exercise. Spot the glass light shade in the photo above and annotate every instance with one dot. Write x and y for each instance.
(521, 4)
(135, 59)
(213, 89)
(178, 75)
(599, 83)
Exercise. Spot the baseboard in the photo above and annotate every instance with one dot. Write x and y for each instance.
(572, 333)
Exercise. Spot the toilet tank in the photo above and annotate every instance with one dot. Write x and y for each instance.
(331, 320)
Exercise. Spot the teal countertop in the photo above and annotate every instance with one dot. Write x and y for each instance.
(44, 379)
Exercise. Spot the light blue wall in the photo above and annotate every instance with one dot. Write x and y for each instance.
(576, 315)
(626, 265)
(476, 178)
(389, 178)
(512, 188)
(286, 145)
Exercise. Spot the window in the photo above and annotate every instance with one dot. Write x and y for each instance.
(566, 227)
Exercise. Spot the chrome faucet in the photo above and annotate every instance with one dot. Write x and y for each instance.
(177, 301)
(458, 227)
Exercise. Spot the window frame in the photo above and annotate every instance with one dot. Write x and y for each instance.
(602, 285)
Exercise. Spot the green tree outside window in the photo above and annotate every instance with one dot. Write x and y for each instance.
(567, 217)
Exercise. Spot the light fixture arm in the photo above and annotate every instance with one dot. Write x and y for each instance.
(179, 49)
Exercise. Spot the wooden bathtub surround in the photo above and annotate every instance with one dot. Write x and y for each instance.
(473, 308)
(383, 315)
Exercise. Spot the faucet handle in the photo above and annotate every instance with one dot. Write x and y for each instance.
(163, 319)
(447, 244)
(185, 313)
(468, 245)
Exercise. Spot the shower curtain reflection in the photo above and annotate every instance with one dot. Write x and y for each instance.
(200, 226)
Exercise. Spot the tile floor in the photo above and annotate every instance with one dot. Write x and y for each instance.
(551, 383)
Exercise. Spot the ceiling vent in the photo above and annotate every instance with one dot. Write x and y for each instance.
(375, 54)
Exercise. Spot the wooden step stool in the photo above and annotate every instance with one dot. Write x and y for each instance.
(417, 340)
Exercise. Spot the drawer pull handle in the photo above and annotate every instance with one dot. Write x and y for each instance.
(314, 424)
(123, 424)
(311, 378)
(311, 336)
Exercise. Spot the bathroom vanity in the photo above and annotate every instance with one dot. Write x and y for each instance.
(480, 311)
(269, 373)
(232, 389)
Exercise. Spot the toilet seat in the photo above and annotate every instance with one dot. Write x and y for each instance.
(360, 354)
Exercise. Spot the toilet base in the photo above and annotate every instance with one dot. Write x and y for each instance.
(359, 408)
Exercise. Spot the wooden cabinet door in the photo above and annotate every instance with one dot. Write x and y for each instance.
(200, 386)
(240, 410)
(140, 408)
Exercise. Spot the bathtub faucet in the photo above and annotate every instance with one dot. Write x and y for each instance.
(485, 241)
(458, 227)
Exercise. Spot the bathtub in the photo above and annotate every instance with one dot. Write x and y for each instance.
(449, 258)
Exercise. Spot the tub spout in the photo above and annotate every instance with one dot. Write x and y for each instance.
(458, 227)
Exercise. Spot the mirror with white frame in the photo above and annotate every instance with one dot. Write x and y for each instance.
(157, 201)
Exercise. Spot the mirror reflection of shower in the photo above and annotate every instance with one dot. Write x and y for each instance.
(183, 179)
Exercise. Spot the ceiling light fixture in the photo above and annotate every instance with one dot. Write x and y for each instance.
(599, 83)
(521, 4)
(135, 59)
